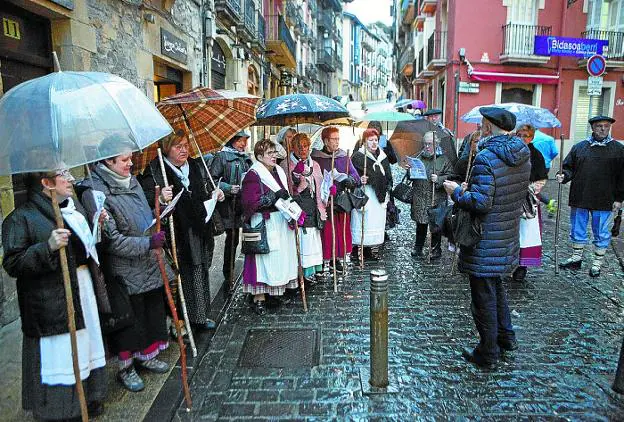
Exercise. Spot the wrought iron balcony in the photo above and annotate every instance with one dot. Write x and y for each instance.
(230, 11)
(420, 66)
(247, 28)
(519, 43)
(405, 61)
(280, 42)
(326, 59)
(312, 71)
(313, 6)
(260, 40)
(615, 52)
(436, 50)
(325, 19)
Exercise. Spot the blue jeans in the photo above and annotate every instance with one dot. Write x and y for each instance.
(600, 222)
(490, 312)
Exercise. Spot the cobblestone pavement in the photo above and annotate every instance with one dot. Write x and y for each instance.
(569, 328)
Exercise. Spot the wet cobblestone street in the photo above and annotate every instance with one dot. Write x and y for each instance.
(569, 328)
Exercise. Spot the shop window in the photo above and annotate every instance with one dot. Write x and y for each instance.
(519, 93)
(167, 81)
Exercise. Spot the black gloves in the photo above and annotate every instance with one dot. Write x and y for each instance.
(282, 193)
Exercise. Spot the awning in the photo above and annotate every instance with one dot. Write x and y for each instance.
(518, 78)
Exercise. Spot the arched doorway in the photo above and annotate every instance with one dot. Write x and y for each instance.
(253, 81)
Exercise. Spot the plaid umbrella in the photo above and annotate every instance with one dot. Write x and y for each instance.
(211, 116)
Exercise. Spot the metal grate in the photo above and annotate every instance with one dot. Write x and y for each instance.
(280, 348)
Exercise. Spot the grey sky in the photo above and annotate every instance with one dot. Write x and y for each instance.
(369, 11)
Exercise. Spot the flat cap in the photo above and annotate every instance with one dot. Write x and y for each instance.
(432, 112)
(499, 117)
(601, 119)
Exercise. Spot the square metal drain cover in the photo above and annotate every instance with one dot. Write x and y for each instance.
(280, 348)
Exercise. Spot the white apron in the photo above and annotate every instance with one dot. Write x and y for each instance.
(374, 220)
(311, 247)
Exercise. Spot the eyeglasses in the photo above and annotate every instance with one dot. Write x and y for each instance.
(181, 147)
(65, 174)
(334, 139)
(271, 153)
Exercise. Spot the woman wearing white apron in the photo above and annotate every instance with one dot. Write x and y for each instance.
(276, 271)
(377, 185)
(307, 180)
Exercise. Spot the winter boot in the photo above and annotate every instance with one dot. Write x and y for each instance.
(436, 246)
(599, 254)
(421, 235)
(574, 262)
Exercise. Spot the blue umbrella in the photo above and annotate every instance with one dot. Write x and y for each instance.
(62, 119)
(299, 108)
(525, 114)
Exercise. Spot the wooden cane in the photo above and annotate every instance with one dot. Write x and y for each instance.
(473, 147)
(291, 187)
(172, 308)
(344, 224)
(333, 223)
(433, 188)
(362, 228)
(558, 219)
(71, 322)
(174, 254)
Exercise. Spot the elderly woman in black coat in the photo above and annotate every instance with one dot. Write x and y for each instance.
(31, 254)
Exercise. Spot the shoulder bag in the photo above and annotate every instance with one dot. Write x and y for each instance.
(404, 191)
(254, 238)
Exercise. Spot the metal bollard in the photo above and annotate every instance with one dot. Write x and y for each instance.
(618, 383)
(379, 328)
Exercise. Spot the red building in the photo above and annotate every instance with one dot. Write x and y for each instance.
(498, 64)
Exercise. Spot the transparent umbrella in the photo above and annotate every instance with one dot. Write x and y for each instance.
(525, 114)
(64, 116)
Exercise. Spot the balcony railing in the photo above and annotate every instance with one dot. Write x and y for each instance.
(519, 40)
(312, 71)
(615, 52)
(421, 62)
(327, 59)
(278, 31)
(313, 6)
(436, 49)
(261, 30)
(232, 10)
(325, 19)
(250, 15)
(407, 57)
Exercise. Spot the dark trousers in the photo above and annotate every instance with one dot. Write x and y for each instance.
(231, 243)
(491, 316)
(421, 237)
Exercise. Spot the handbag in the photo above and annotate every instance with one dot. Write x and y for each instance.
(466, 228)
(358, 198)
(392, 214)
(121, 314)
(254, 239)
(437, 215)
(404, 191)
(343, 203)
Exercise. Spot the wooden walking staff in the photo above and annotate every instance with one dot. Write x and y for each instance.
(172, 308)
(71, 322)
(433, 188)
(363, 212)
(558, 219)
(174, 253)
(291, 187)
(333, 223)
(199, 151)
(344, 224)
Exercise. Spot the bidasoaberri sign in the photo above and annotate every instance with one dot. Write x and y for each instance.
(563, 46)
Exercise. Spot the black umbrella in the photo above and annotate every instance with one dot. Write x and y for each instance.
(407, 139)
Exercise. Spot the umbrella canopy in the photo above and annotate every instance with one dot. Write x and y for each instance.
(299, 108)
(62, 118)
(407, 139)
(419, 104)
(213, 117)
(383, 116)
(525, 114)
(403, 103)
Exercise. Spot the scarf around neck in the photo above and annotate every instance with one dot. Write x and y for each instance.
(376, 160)
(595, 143)
(182, 172)
(308, 177)
(267, 178)
(80, 227)
(120, 180)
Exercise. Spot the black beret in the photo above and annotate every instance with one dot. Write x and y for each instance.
(499, 117)
(432, 112)
(601, 119)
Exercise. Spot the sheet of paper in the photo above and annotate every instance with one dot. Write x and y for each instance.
(210, 205)
(164, 214)
(289, 209)
(417, 170)
(99, 198)
(325, 185)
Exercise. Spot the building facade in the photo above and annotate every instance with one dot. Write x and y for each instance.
(495, 62)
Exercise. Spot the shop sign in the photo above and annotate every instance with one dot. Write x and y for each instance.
(67, 4)
(172, 46)
(594, 86)
(564, 46)
(469, 87)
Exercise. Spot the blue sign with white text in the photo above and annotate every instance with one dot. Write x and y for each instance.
(562, 46)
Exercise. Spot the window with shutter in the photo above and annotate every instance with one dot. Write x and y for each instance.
(582, 111)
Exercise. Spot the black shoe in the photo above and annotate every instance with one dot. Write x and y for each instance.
(417, 252)
(519, 274)
(339, 266)
(258, 307)
(436, 253)
(571, 265)
(508, 345)
(472, 358)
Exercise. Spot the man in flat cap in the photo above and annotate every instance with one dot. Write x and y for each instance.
(594, 166)
(494, 196)
(434, 115)
(229, 165)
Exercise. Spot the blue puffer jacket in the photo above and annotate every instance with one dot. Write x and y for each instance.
(498, 186)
